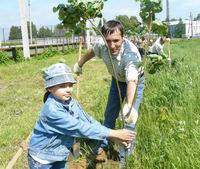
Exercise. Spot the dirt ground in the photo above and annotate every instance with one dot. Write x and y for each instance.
(90, 161)
(84, 164)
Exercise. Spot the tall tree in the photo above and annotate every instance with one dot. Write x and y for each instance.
(59, 31)
(15, 33)
(148, 10)
(34, 30)
(130, 24)
(197, 18)
(160, 28)
(180, 29)
(44, 32)
(173, 19)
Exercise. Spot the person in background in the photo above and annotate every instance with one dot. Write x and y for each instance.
(141, 46)
(126, 59)
(157, 47)
(61, 120)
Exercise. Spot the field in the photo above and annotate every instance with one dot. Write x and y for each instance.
(168, 130)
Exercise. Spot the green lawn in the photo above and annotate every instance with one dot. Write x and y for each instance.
(168, 130)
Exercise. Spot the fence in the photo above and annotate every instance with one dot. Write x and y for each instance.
(51, 31)
(4, 34)
(39, 48)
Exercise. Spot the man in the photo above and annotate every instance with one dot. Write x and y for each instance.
(157, 47)
(157, 55)
(125, 58)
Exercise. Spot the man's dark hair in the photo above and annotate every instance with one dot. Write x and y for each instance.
(111, 26)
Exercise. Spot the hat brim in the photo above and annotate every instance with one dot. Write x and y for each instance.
(56, 80)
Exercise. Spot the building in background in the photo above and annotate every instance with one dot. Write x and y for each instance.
(191, 29)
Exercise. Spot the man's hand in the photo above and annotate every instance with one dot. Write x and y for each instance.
(126, 110)
(168, 39)
(77, 69)
(130, 115)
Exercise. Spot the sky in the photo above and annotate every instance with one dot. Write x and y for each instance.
(42, 14)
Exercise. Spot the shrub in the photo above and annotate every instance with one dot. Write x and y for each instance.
(19, 55)
(4, 58)
(70, 50)
(48, 53)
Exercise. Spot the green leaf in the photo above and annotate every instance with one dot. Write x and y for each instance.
(75, 13)
(159, 28)
(55, 9)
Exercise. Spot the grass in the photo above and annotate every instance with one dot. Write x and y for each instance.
(168, 128)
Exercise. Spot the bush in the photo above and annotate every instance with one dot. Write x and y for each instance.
(156, 63)
(70, 50)
(4, 58)
(19, 55)
(48, 53)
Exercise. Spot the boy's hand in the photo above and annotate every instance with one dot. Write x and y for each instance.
(124, 143)
(122, 135)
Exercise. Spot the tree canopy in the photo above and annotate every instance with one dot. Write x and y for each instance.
(197, 18)
(148, 9)
(15, 33)
(44, 32)
(130, 23)
(75, 13)
(159, 28)
(34, 30)
(180, 29)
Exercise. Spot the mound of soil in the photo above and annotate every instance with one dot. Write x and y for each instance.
(84, 164)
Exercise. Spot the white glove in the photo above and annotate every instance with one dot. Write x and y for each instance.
(129, 117)
(168, 39)
(77, 69)
(169, 59)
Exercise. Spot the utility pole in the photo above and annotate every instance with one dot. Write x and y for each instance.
(24, 30)
(4, 39)
(102, 21)
(30, 24)
(0, 41)
(191, 23)
(168, 18)
(88, 34)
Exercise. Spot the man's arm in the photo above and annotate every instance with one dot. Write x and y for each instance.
(129, 113)
(131, 90)
(78, 66)
(89, 55)
(131, 80)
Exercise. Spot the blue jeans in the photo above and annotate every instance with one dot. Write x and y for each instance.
(122, 150)
(113, 106)
(36, 165)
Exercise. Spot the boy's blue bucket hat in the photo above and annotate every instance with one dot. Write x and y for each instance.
(57, 74)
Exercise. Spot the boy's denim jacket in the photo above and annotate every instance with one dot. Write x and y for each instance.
(59, 123)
